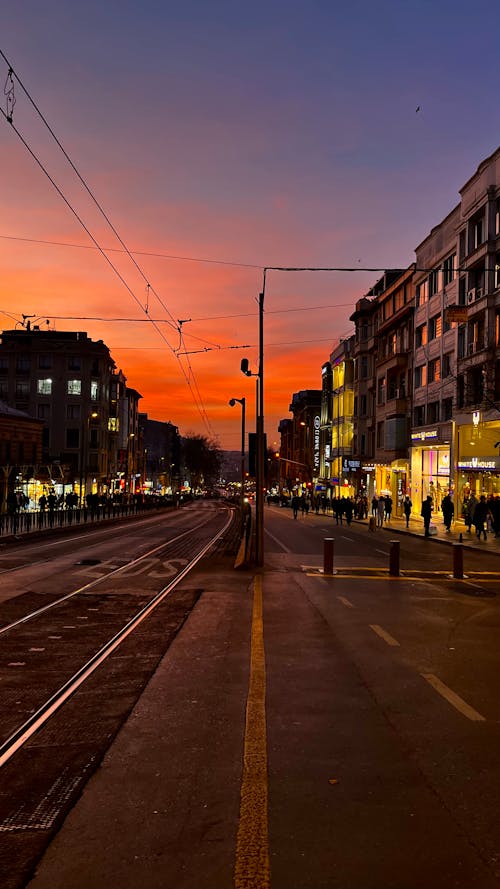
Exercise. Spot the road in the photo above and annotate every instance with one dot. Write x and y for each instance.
(368, 756)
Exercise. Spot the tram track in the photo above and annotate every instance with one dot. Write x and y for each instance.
(25, 731)
(104, 578)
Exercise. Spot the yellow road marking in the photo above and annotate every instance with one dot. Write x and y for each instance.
(252, 870)
(383, 634)
(452, 698)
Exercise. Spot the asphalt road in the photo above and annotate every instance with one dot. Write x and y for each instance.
(347, 736)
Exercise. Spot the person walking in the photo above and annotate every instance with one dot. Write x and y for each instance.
(295, 505)
(388, 508)
(407, 505)
(448, 511)
(426, 513)
(380, 511)
(374, 505)
(481, 513)
(469, 507)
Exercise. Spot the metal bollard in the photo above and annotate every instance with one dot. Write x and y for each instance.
(458, 561)
(394, 559)
(328, 544)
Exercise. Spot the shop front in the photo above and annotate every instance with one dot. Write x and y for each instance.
(430, 468)
(478, 460)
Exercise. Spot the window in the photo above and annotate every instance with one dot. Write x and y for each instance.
(362, 406)
(94, 438)
(45, 361)
(421, 335)
(476, 233)
(73, 411)
(434, 373)
(74, 387)
(419, 415)
(462, 291)
(23, 364)
(422, 293)
(364, 367)
(380, 435)
(43, 411)
(433, 412)
(74, 362)
(44, 387)
(381, 391)
(449, 269)
(446, 365)
(447, 408)
(420, 376)
(22, 389)
(4, 363)
(435, 327)
(433, 282)
(72, 438)
(497, 270)
(4, 389)
(94, 390)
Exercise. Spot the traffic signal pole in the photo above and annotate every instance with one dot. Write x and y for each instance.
(259, 505)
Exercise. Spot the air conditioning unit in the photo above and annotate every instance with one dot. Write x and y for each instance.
(479, 292)
(471, 295)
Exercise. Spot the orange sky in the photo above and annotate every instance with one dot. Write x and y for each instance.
(214, 138)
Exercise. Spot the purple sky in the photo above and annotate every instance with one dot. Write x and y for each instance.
(262, 134)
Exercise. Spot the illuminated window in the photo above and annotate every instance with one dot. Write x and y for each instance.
(94, 390)
(74, 387)
(113, 424)
(44, 387)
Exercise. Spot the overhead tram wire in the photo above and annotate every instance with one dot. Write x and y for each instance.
(94, 241)
(86, 187)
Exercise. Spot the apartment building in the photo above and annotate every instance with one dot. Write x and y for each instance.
(69, 382)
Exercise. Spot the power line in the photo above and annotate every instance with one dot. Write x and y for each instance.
(94, 241)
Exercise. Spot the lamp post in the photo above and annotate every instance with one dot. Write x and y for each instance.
(232, 403)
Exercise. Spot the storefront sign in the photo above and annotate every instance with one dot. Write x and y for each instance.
(480, 464)
(425, 435)
(350, 464)
(317, 424)
(368, 467)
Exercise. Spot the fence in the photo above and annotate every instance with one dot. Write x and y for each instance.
(25, 522)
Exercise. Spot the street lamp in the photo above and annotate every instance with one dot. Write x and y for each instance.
(232, 403)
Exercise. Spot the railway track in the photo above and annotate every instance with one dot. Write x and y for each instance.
(70, 673)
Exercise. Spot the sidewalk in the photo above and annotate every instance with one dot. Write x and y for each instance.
(458, 533)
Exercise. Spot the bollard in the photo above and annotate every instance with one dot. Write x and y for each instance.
(328, 544)
(394, 558)
(458, 561)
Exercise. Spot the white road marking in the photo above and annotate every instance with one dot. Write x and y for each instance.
(283, 547)
(452, 698)
(383, 551)
(384, 635)
(351, 539)
(345, 601)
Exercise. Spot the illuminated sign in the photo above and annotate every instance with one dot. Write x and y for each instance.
(317, 424)
(424, 435)
(476, 418)
(478, 463)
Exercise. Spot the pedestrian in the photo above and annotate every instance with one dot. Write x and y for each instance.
(295, 505)
(380, 511)
(374, 505)
(407, 505)
(426, 513)
(481, 513)
(469, 507)
(388, 508)
(448, 511)
(494, 508)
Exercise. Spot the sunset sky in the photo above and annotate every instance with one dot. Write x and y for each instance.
(219, 138)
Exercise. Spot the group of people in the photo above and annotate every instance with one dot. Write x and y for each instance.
(382, 508)
(483, 514)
